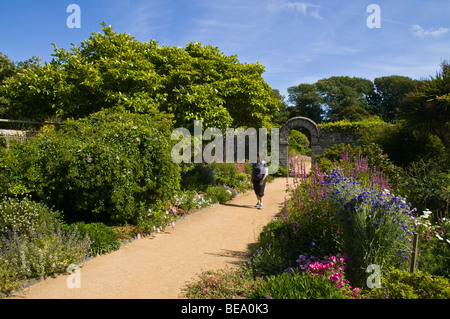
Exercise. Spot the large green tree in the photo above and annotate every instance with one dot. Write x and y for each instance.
(390, 90)
(338, 92)
(325, 99)
(111, 70)
(305, 101)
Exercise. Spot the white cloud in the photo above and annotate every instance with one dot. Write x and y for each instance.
(304, 8)
(417, 30)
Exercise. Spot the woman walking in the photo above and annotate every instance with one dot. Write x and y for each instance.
(259, 174)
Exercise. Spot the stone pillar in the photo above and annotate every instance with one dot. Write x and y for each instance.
(298, 122)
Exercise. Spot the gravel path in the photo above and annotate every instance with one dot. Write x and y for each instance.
(157, 267)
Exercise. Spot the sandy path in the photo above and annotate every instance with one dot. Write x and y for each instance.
(158, 267)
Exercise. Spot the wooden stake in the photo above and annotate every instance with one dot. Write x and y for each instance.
(415, 253)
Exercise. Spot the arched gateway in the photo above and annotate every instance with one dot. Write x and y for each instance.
(298, 122)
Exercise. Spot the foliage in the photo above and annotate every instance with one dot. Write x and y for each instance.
(398, 284)
(347, 155)
(338, 92)
(264, 261)
(389, 92)
(434, 243)
(427, 110)
(427, 185)
(101, 168)
(8, 276)
(198, 177)
(234, 175)
(305, 101)
(367, 130)
(348, 209)
(328, 97)
(221, 284)
(406, 146)
(297, 286)
(103, 238)
(23, 215)
(373, 226)
(353, 114)
(220, 193)
(111, 70)
(299, 143)
(43, 251)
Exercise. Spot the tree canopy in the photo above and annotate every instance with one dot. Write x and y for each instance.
(325, 100)
(114, 70)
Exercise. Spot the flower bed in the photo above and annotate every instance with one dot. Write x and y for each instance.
(338, 228)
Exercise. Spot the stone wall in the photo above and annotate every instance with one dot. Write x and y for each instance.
(321, 138)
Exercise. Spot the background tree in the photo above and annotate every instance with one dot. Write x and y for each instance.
(390, 90)
(338, 92)
(354, 114)
(283, 114)
(7, 69)
(305, 101)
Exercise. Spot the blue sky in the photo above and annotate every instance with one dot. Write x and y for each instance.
(296, 41)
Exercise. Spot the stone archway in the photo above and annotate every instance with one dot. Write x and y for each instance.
(298, 122)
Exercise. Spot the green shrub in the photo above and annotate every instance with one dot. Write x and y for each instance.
(405, 146)
(398, 284)
(354, 114)
(198, 178)
(8, 276)
(220, 194)
(43, 251)
(265, 261)
(427, 185)
(221, 284)
(24, 214)
(100, 168)
(297, 286)
(434, 243)
(299, 143)
(103, 238)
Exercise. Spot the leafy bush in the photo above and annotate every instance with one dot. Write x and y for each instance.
(299, 143)
(102, 237)
(220, 194)
(398, 284)
(264, 262)
(427, 185)
(221, 284)
(405, 146)
(102, 168)
(231, 175)
(198, 178)
(297, 286)
(43, 251)
(434, 244)
(24, 214)
(354, 114)
(8, 276)
(347, 155)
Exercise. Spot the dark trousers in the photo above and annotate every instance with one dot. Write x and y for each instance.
(259, 189)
